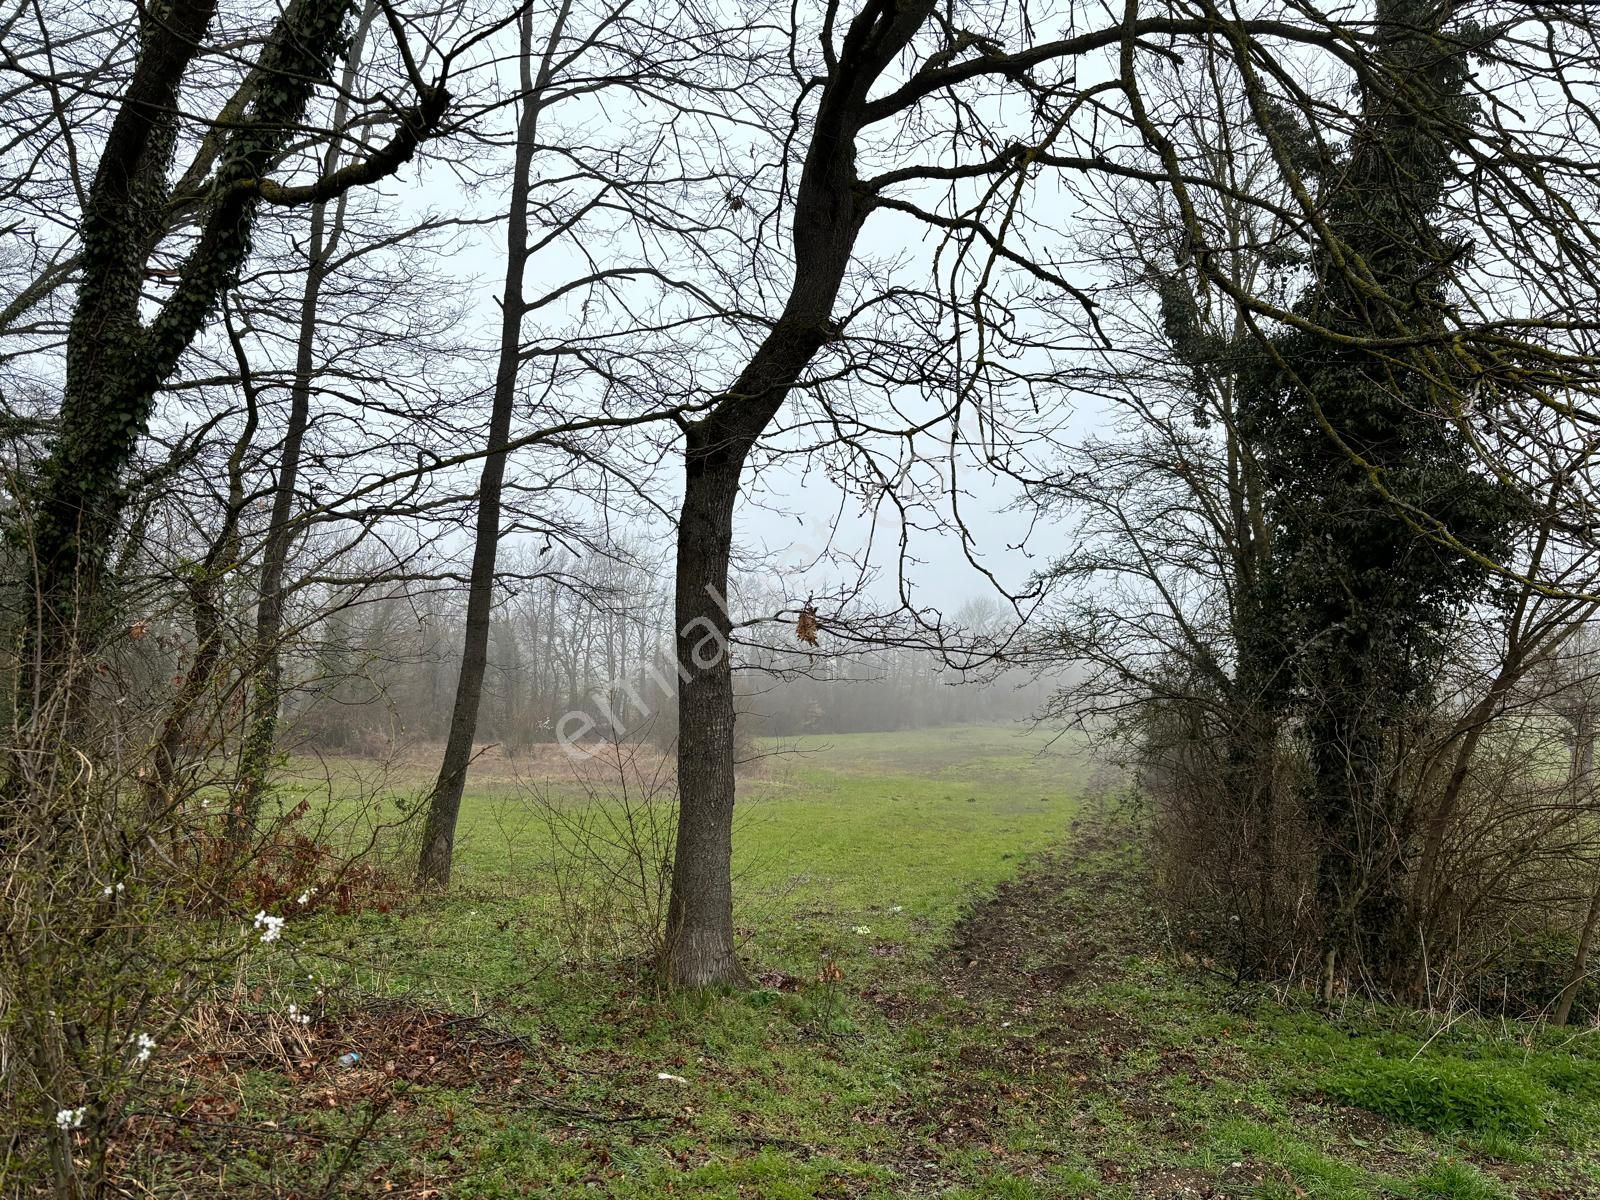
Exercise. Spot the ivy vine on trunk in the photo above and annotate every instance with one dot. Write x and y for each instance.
(116, 361)
(1351, 421)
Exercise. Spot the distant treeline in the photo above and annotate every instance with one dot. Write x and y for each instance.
(582, 652)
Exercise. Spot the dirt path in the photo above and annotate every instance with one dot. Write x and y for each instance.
(1073, 911)
(1080, 1051)
(1030, 957)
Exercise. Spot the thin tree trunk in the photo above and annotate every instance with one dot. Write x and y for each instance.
(439, 835)
(266, 685)
(1582, 746)
(1580, 961)
(1581, 784)
(159, 785)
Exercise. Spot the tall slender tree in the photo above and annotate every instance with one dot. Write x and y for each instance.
(570, 213)
(438, 836)
(326, 229)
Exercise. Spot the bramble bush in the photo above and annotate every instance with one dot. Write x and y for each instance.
(122, 908)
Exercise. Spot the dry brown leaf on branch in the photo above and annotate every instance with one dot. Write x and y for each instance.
(805, 626)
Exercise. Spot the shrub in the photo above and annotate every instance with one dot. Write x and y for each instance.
(1525, 974)
(284, 867)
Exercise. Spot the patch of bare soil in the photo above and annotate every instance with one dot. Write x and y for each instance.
(1072, 915)
(339, 1125)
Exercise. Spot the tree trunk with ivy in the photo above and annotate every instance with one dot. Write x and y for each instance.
(1353, 445)
(116, 361)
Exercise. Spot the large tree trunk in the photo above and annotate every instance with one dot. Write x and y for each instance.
(699, 950)
(828, 212)
(111, 373)
(444, 807)
(1366, 834)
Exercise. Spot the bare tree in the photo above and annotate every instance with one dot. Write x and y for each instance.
(579, 56)
(964, 179)
(323, 237)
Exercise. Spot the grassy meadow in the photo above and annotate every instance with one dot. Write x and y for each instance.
(956, 990)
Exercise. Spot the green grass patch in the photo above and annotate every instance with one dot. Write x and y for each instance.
(1050, 1048)
(1443, 1094)
(1316, 1174)
(1449, 1179)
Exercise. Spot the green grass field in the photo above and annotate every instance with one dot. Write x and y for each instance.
(957, 990)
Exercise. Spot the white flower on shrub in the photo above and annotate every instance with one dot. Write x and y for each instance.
(271, 927)
(298, 1017)
(70, 1118)
(108, 890)
(305, 897)
(146, 1045)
